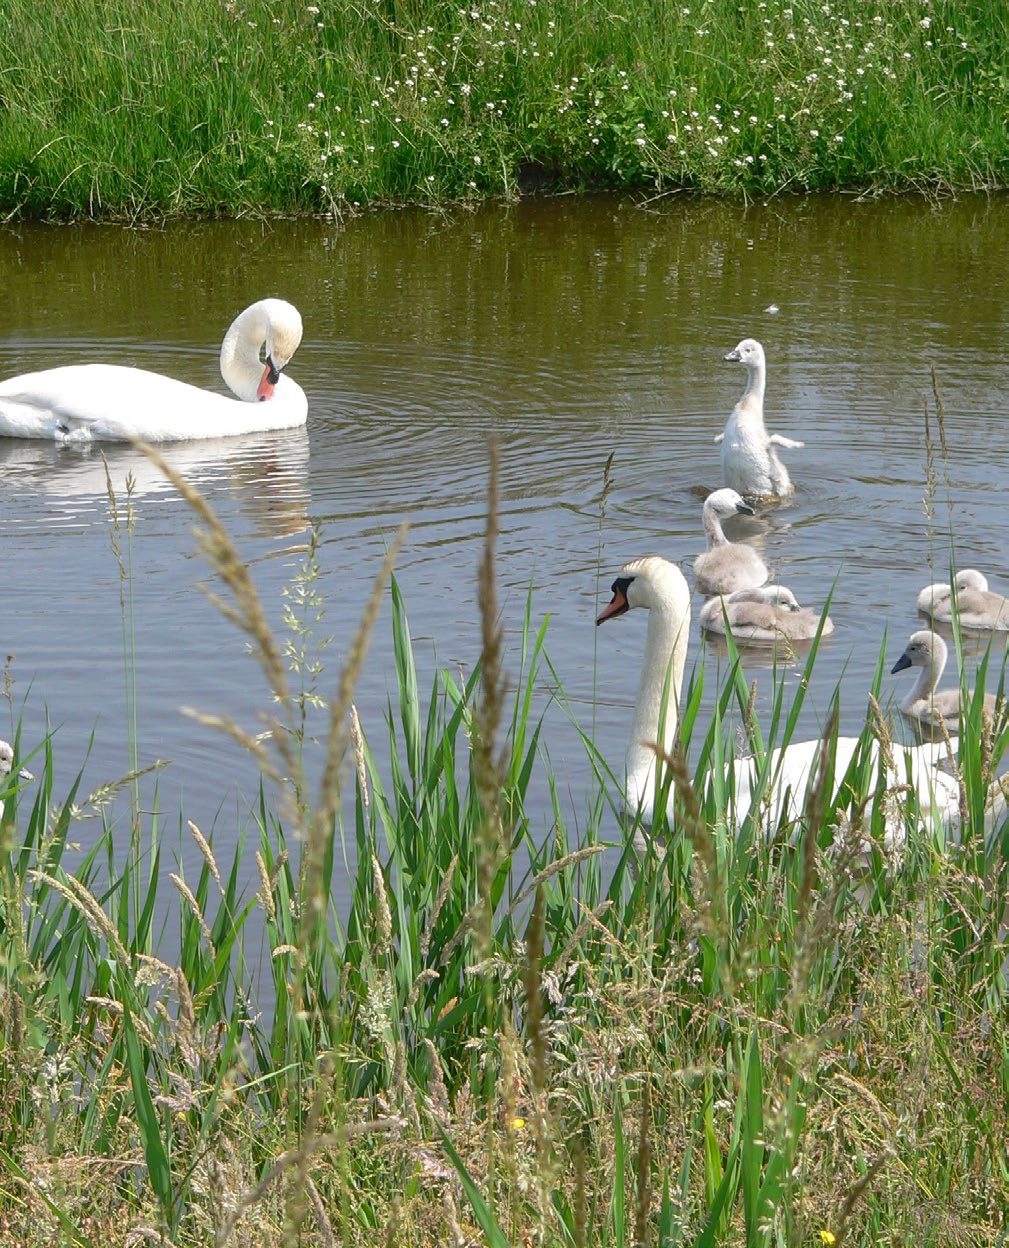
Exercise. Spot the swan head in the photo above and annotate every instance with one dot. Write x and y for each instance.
(725, 503)
(748, 352)
(924, 649)
(283, 336)
(7, 763)
(271, 327)
(653, 583)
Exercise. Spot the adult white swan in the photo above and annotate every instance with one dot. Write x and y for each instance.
(927, 651)
(659, 587)
(726, 566)
(750, 461)
(980, 609)
(766, 613)
(82, 403)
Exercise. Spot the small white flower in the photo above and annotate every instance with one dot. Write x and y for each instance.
(814, 134)
(395, 142)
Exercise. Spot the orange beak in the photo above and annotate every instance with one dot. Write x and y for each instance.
(618, 605)
(267, 383)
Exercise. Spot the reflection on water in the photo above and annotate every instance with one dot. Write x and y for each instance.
(570, 329)
(267, 474)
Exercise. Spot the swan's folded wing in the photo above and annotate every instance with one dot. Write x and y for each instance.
(64, 402)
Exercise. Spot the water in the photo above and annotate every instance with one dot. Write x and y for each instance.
(570, 329)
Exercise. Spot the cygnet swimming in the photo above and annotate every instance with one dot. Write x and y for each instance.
(750, 461)
(7, 766)
(927, 651)
(767, 613)
(979, 608)
(726, 566)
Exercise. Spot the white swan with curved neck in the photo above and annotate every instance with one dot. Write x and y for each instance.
(750, 461)
(726, 566)
(927, 651)
(659, 587)
(979, 608)
(81, 403)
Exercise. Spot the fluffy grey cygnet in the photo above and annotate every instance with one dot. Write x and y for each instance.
(980, 609)
(768, 613)
(726, 566)
(927, 651)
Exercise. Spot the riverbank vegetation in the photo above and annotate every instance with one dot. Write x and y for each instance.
(516, 1034)
(110, 108)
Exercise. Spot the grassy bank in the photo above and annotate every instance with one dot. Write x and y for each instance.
(114, 108)
(511, 1038)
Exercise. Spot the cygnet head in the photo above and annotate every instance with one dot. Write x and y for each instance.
(725, 503)
(748, 352)
(924, 649)
(971, 578)
(7, 763)
(774, 595)
(651, 582)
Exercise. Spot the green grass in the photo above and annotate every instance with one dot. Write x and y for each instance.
(111, 108)
(515, 1034)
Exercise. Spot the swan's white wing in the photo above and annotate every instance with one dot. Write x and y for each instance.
(113, 403)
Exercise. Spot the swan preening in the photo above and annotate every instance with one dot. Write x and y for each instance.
(658, 586)
(726, 566)
(927, 651)
(978, 607)
(81, 403)
(750, 461)
(766, 613)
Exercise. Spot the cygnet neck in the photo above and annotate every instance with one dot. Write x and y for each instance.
(929, 674)
(756, 375)
(713, 527)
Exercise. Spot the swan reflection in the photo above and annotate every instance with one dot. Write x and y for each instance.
(266, 474)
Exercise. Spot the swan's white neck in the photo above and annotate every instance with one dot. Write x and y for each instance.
(249, 333)
(658, 698)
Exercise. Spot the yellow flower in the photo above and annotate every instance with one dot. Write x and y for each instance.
(828, 1237)
(517, 1124)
